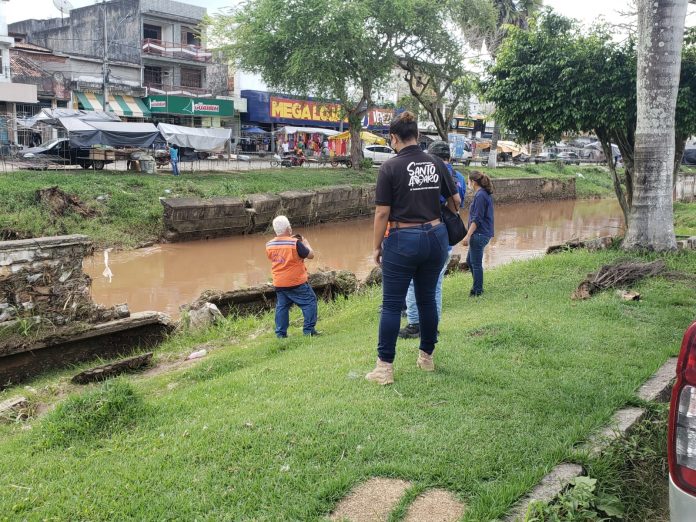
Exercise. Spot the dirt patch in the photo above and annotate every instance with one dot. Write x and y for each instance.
(372, 501)
(60, 203)
(436, 505)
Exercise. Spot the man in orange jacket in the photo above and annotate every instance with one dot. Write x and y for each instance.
(287, 254)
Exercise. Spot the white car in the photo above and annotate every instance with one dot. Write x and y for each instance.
(681, 442)
(378, 153)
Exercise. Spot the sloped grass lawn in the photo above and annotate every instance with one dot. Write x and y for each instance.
(685, 219)
(271, 430)
(133, 213)
(280, 430)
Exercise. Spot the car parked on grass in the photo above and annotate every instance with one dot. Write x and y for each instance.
(378, 153)
(681, 442)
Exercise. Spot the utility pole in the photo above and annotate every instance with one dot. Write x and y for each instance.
(105, 65)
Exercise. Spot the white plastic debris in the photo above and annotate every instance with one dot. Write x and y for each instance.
(107, 271)
(197, 355)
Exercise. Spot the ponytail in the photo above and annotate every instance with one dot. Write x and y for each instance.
(481, 180)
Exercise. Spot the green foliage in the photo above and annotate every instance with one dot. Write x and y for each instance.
(582, 503)
(113, 407)
(685, 219)
(366, 163)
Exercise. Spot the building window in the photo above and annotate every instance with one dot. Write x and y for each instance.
(152, 75)
(190, 37)
(152, 32)
(192, 78)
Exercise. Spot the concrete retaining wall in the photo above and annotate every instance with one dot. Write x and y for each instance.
(685, 189)
(44, 277)
(191, 218)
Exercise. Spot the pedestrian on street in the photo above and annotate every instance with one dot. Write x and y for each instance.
(408, 201)
(481, 229)
(174, 158)
(287, 253)
(441, 149)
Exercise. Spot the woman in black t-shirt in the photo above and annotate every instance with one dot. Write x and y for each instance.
(408, 202)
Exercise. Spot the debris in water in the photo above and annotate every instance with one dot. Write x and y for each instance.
(107, 271)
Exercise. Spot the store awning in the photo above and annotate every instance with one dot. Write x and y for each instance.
(288, 129)
(120, 104)
(367, 137)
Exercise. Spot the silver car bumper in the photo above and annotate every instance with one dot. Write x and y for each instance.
(682, 506)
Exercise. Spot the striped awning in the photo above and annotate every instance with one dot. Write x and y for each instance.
(120, 104)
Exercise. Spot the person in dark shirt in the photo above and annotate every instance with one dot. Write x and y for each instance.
(481, 228)
(408, 201)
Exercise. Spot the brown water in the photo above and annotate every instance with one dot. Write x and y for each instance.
(164, 277)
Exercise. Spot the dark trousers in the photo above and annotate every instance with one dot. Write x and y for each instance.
(475, 260)
(416, 253)
(304, 297)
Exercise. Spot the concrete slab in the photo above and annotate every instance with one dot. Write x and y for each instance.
(659, 386)
(621, 424)
(372, 501)
(548, 489)
(436, 505)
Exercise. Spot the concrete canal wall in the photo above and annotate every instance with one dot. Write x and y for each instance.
(188, 219)
(47, 316)
(685, 189)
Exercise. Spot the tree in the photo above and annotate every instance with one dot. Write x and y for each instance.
(338, 49)
(593, 90)
(660, 38)
(492, 31)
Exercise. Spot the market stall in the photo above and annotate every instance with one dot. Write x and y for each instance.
(311, 139)
(339, 144)
(204, 140)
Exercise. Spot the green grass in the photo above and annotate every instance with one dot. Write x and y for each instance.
(266, 429)
(685, 219)
(133, 213)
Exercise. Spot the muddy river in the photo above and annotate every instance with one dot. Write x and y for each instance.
(163, 277)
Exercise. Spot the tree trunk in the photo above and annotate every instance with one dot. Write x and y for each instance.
(493, 154)
(356, 154)
(618, 187)
(660, 39)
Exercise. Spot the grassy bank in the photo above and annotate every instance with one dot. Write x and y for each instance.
(265, 429)
(132, 214)
(685, 219)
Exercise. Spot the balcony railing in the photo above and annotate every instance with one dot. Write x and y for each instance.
(176, 90)
(179, 51)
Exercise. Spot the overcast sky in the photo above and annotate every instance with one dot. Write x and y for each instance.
(586, 11)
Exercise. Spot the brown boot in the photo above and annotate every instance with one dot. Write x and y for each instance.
(382, 374)
(425, 361)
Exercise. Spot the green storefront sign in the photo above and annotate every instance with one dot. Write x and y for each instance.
(162, 104)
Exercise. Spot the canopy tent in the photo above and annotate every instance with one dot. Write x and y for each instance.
(598, 146)
(205, 140)
(56, 116)
(288, 129)
(506, 147)
(114, 134)
(367, 137)
(253, 130)
(120, 104)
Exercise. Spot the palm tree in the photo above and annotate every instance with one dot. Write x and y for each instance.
(660, 39)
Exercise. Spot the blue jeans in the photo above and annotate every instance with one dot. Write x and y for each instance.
(475, 260)
(175, 167)
(418, 254)
(304, 297)
(412, 309)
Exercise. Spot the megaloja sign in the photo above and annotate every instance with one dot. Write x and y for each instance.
(304, 110)
(204, 107)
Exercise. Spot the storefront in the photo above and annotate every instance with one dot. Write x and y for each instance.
(124, 106)
(191, 112)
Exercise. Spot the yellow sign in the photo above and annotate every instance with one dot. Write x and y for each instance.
(283, 108)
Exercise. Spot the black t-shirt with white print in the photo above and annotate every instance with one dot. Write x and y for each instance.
(411, 184)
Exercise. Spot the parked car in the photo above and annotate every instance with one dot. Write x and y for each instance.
(545, 157)
(569, 157)
(378, 153)
(681, 442)
(60, 151)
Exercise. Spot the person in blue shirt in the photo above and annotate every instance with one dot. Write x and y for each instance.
(481, 228)
(441, 149)
(174, 158)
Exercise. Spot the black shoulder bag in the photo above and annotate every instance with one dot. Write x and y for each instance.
(453, 221)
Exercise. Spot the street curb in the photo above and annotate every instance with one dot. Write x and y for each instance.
(548, 489)
(657, 388)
